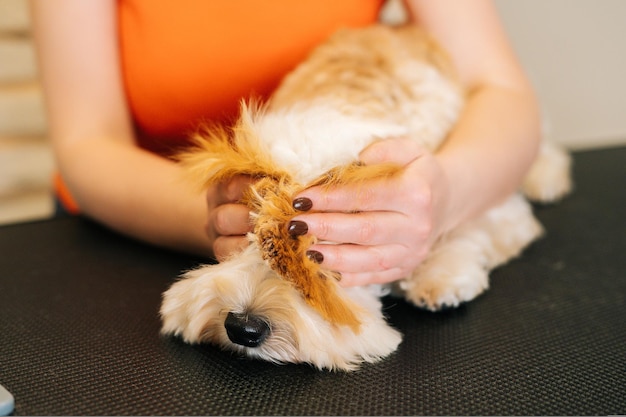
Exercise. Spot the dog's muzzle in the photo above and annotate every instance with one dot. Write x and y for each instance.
(246, 330)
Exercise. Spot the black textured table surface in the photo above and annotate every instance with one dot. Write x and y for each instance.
(79, 329)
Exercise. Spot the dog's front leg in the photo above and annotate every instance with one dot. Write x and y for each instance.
(457, 269)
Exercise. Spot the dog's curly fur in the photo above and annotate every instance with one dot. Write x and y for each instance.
(271, 301)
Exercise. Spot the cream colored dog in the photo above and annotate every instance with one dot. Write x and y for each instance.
(270, 301)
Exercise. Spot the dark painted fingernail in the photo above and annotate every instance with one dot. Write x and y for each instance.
(315, 256)
(297, 228)
(302, 204)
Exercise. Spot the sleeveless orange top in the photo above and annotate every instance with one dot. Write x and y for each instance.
(186, 61)
(190, 61)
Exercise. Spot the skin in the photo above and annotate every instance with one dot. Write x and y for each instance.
(397, 221)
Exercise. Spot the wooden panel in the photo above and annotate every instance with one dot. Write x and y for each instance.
(14, 16)
(25, 164)
(17, 55)
(22, 110)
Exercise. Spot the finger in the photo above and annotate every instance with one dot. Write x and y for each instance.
(232, 190)
(353, 279)
(405, 193)
(227, 246)
(230, 220)
(397, 150)
(357, 258)
(364, 228)
(376, 195)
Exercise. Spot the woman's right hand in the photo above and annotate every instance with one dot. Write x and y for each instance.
(228, 220)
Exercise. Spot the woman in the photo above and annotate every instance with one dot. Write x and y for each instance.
(126, 80)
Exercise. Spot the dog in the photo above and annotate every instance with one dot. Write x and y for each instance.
(273, 303)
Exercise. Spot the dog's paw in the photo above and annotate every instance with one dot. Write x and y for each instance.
(436, 292)
(177, 309)
(549, 178)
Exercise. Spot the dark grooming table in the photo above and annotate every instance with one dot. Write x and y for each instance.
(79, 329)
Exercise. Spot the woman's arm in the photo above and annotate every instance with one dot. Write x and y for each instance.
(483, 160)
(113, 181)
(498, 136)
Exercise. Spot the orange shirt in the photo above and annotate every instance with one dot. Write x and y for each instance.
(186, 61)
(190, 61)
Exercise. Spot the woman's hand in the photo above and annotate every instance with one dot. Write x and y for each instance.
(383, 228)
(228, 222)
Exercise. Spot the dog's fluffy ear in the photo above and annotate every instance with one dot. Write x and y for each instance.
(355, 174)
(218, 154)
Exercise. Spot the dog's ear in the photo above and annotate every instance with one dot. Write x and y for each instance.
(218, 153)
(319, 288)
(322, 294)
(286, 255)
(355, 174)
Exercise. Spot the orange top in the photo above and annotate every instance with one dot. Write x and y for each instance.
(189, 61)
(186, 61)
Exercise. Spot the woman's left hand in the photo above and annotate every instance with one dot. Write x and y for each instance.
(384, 228)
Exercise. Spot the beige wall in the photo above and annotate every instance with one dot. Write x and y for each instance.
(575, 53)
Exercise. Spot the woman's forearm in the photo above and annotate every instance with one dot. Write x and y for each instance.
(136, 193)
(488, 153)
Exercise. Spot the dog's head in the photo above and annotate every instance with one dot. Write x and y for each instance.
(244, 306)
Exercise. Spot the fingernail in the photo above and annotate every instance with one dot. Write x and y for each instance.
(315, 256)
(297, 228)
(302, 204)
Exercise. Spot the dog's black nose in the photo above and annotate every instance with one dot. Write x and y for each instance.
(246, 330)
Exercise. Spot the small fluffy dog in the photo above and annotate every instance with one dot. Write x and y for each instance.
(272, 302)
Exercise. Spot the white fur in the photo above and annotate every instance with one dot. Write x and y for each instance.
(310, 138)
(244, 283)
(307, 141)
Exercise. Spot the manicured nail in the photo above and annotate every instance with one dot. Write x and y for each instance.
(315, 256)
(302, 204)
(297, 228)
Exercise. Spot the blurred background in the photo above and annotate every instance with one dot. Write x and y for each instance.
(573, 50)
